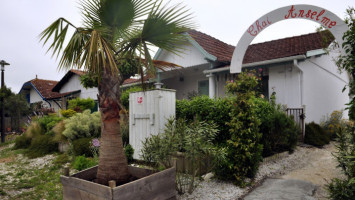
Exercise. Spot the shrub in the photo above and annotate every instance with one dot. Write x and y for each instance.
(83, 125)
(342, 189)
(203, 108)
(129, 151)
(58, 132)
(79, 105)
(332, 124)
(34, 129)
(279, 132)
(41, 145)
(315, 135)
(22, 142)
(67, 113)
(82, 147)
(243, 148)
(194, 139)
(81, 163)
(47, 122)
(62, 159)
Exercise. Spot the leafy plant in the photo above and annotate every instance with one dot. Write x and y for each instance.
(81, 163)
(22, 142)
(129, 151)
(79, 105)
(83, 125)
(125, 95)
(67, 113)
(344, 188)
(315, 135)
(279, 132)
(331, 124)
(194, 139)
(243, 148)
(41, 145)
(81, 146)
(47, 122)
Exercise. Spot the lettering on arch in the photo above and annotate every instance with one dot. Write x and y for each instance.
(319, 15)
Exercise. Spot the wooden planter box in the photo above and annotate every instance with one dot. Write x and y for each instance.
(149, 185)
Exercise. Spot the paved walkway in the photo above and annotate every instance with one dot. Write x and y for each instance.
(281, 189)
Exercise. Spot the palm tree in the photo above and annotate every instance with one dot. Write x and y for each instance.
(112, 32)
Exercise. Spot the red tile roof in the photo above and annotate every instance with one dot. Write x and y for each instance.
(44, 87)
(291, 46)
(133, 80)
(213, 46)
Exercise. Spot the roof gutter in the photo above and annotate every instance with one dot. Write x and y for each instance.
(265, 62)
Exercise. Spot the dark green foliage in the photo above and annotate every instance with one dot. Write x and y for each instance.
(315, 135)
(341, 189)
(346, 60)
(41, 145)
(82, 147)
(125, 95)
(79, 105)
(205, 109)
(279, 132)
(129, 151)
(47, 122)
(89, 81)
(22, 142)
(81, 163)
(344, 188)
(244, 151)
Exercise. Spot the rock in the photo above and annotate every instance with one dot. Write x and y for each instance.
(208, 176)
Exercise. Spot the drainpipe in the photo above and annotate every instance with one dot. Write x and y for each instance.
(295, 63)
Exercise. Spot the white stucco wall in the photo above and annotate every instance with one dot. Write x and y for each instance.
(190, 56)
(35, 98)
(322, 86)
(74, 84)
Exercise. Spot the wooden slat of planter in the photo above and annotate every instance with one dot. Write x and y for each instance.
(85, 189)
(158, 186)
(87, 174)
(139, 172)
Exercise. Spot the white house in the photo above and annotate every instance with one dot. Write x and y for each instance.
(296, 68)
(40, 91)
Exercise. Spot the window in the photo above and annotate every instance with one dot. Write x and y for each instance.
(203, 87)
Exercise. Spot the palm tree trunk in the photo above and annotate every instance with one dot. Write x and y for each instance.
(112, 161)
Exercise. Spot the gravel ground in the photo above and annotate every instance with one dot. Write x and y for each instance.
(304, 159)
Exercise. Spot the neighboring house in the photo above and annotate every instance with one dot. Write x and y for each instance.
(296, 68)
(40, 91)
(71, 83)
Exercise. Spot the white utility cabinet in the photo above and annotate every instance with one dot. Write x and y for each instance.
(148, 114)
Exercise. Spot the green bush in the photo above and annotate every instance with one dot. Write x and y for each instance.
(82, 147)
(62, 159)
(67, 113)
(315, 135)
(341, 189)
(81, 163)
(129, 151)
(206, 109)
(244, 151)
(194, 139)
(22, 142)
(332, 124)
(47, 122)
(42, 145)
(83, 125)
(279, 132)
(80, 105)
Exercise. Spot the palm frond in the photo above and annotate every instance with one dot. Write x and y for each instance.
(58, 29)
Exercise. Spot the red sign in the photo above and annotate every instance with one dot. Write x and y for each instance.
(139, 100)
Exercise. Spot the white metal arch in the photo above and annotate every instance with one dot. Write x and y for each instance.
(319, 15)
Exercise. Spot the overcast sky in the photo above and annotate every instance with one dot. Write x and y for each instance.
(21, 21)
